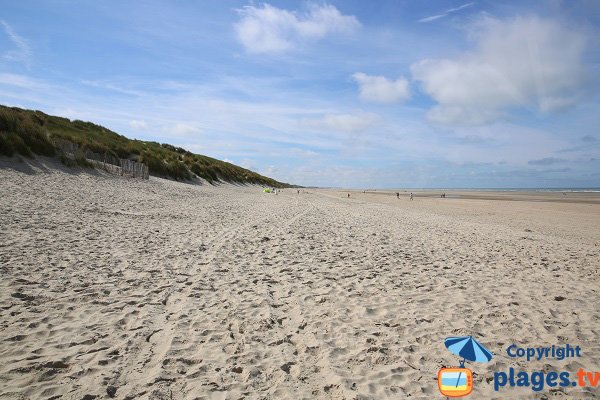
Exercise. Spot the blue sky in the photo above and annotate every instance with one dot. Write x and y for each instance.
(337, 93)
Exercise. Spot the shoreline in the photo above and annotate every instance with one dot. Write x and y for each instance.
(474, 194)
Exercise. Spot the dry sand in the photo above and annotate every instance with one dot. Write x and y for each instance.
(122, 288)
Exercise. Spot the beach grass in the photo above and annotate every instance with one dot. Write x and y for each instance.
(29, 133)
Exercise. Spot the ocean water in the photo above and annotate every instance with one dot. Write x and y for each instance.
(550, 190)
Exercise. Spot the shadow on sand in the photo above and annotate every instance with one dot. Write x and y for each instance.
(41, 165)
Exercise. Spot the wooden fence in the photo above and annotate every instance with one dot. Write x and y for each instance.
(106, 162)
(134, 169)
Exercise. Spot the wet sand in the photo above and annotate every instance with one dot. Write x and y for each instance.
(590, 197)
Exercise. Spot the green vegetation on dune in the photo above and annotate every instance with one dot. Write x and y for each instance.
(29, 132)
(24, 136)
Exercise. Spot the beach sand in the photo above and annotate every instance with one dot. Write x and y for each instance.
(123, 288)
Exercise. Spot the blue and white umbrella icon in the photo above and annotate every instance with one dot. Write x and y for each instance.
(468, 348)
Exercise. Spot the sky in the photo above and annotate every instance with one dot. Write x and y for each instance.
(359, 94)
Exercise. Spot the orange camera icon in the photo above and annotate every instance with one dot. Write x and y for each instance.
(455, 382)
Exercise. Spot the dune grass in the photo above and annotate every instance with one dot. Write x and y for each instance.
(22, 135)
(28, 132)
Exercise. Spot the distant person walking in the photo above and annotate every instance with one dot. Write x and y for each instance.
(411, 195)
(348, 195)
(397, 195)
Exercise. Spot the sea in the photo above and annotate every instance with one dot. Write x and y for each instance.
(551, 190)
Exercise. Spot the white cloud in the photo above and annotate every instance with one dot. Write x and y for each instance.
(181, 129)
(301, 153)
(445, 13)
(520, 62)
(138, 124)
(270, 171)
(111, 87)
(23, 52)
(269, 29)
(248, 164)
(22, 81)
(348, 123)
(380, 89)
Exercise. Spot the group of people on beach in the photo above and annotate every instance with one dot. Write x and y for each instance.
(397, 195)
(443, 195)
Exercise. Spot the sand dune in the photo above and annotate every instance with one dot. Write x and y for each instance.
(154, 289)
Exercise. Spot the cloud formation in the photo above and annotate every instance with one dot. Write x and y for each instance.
(182, 129)
(521, 62)
(269, 29)
(379, 89)
(445, 13)
(138, 124)
(22, 81)
(23, 52)
(589, 139)
(347, 123)
(302, 153)
(546, 161)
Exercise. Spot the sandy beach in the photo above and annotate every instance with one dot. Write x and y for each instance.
(131, 289)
